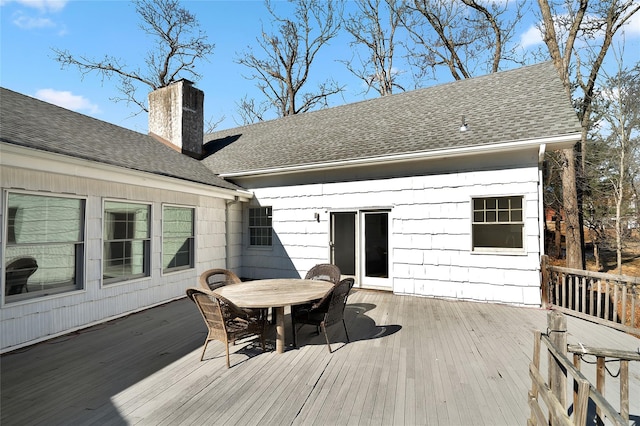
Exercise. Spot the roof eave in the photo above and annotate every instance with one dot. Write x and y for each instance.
(35, 159)
(551, 143)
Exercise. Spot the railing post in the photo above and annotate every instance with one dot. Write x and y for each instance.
(557, 327)
(533, 395)
(600, 370)
(544, 277)
(624, 389)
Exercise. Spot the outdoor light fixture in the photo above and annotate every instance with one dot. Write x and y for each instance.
(464, 126)
(317, 217)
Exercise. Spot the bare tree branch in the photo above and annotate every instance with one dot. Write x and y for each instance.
(368, 29)
(282, 70)
(179, 44)
(458, 35)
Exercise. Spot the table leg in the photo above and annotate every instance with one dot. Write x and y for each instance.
(279, 329)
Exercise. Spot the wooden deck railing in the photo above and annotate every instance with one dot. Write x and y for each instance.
(613, 300)
(552, 391)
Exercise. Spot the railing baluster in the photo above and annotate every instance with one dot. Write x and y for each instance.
(599, 297)
(634, 297)
(592, 296)
(576, 293)
(583, 291)
(623, 310)
(605, 298)
(614, 305)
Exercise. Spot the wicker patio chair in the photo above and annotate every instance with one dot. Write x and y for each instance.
(321, 271)
(325, 272)
(326, 312)
(18, 273)
(217, 277)
(225, 321)
(214, 278)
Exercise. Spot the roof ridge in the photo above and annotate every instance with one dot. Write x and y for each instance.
(415, 92)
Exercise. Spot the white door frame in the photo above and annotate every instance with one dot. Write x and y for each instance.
(360, 248)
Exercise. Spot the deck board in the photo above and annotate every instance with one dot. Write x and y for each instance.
(411, 360)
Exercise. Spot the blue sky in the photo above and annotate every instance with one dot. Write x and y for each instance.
(31, 28)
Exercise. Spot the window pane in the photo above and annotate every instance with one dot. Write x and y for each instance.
(126, 240)
(39, 219)
(177, 237)
(497, 235)
(45, 251)
(516, 202)
(498, 223)
(260, 226)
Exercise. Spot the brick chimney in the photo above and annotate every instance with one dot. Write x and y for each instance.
(176, 115)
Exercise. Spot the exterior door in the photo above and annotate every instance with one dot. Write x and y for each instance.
(343, 242)
(374, 249)
(360, 247)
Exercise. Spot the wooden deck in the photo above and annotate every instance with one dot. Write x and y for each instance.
(411, 361)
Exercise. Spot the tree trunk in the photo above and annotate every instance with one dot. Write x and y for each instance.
(573, 229)
(557, 234)
(619, 197)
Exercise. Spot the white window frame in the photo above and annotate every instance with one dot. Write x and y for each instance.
(29, 248)
(268, 227)
(146, 244)
(497, 218)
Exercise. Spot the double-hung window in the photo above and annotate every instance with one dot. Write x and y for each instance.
(178, 236)
(498, 224)
(260, 226)
(126, 235)
(45, 245)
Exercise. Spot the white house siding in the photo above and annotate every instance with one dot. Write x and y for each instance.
(430, 241)
(36, 319)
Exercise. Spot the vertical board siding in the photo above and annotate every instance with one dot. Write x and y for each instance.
(430, 232)
(36, 319)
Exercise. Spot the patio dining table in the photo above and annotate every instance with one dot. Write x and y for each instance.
(275, 293)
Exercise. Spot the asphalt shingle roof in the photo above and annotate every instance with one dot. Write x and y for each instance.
(522, 104)
(36, 124)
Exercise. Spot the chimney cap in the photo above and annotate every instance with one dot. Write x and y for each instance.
(184, 80)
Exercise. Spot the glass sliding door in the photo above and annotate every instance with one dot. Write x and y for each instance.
(375, 249)
(360, 246)
(343, 241)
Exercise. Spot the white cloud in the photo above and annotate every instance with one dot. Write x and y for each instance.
(67, 100)
(41, 5)
(531, 37)
(632, 28)
(28, 22)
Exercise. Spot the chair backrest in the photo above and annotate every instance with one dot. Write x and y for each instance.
(18, 273)
(338, 301)
(214, 278)
(212, 313)
(324, 272)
